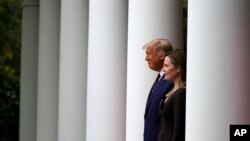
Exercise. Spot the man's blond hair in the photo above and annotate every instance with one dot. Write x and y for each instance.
(160, 45)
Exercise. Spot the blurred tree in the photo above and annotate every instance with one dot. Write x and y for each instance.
(185, 9)
(10, 21)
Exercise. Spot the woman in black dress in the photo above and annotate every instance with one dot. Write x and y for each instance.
(173, 107)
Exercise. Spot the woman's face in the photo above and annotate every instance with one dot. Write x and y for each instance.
(170, 70)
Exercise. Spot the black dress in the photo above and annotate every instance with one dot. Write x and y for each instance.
(172, 117)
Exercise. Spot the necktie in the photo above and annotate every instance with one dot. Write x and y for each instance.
(156, 80)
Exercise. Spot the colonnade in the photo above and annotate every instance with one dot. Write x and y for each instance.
(84, 77)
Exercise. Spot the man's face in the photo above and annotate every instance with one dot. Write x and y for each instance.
(154, 61)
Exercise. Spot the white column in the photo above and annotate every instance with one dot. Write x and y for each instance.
(28, 97)
(148, 20)
(48, 70)
(218, 68)
(106, 110)
(73, 67)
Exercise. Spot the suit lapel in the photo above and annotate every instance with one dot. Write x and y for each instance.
(154, 90)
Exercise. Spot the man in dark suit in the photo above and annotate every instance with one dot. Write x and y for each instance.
(156, 51)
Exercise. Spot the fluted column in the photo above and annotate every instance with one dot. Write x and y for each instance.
(148, 20)
(28, 88)
(218, 68)
(106, 100)
(48, 70)
(73, 67)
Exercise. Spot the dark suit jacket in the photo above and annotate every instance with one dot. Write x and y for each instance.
(151, 117)
(172, 115)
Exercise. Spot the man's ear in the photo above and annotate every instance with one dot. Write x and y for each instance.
(162, 56)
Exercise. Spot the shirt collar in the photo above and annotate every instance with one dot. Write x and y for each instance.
(161, 73)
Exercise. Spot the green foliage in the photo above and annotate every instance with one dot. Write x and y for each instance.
(185, 9)
(10, 13)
